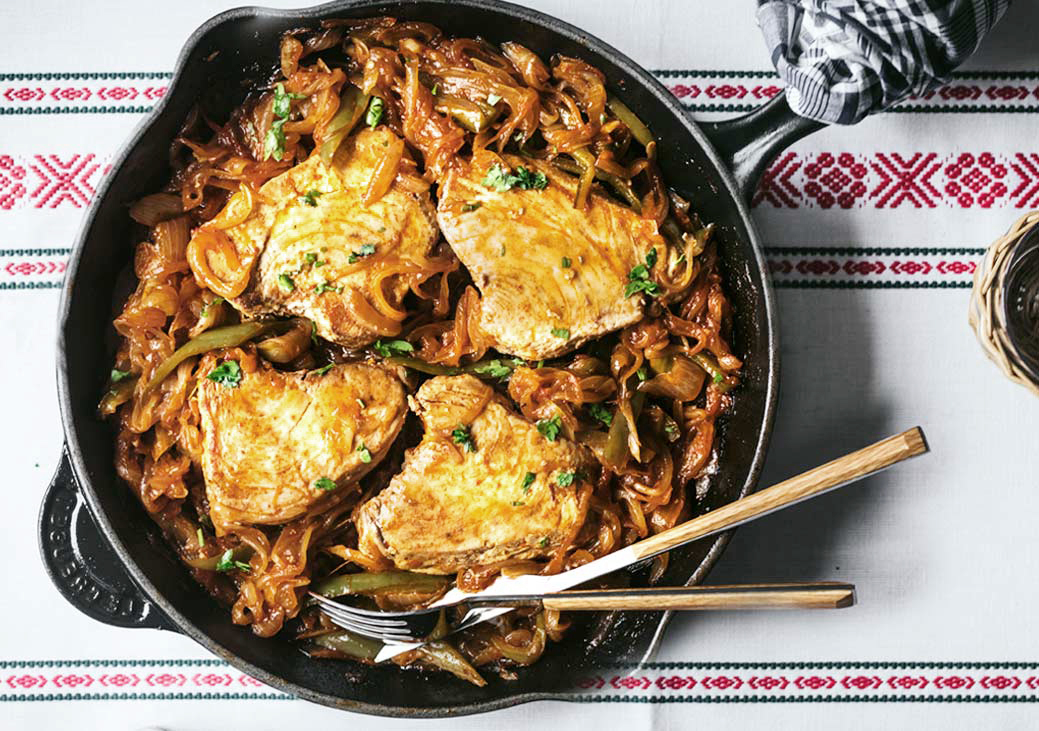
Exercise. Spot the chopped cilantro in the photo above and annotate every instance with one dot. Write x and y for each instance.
(375, 110)
(285, 281)
(493, 99)
(365, 250)
(311, 197)
(390, 347)
(499, 179)
(227, 374)
(549, 428)
(566, 262)
(718, 377)
(464, 438)
(518, 503)
(561, 332)
(496, 368)
(212, 303)
(601, 413)
(639, 279)
(228, 563)
(366, 454)
(544, 542)
(471, 206)
(671, 430)
(324, 483)
(326, 287)
(436, 88)
(118, 375)
(274, 141)
(566, 479)
(528, 480)
(531, 181)
(323, 369)
(310, 257)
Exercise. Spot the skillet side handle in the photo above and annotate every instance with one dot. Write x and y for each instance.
(81, 562)
(748, 144)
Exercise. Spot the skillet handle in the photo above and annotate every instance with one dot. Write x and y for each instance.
(749, 143)
(81, 562)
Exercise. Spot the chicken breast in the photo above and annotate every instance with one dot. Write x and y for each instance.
(514, 494)
(551, 277)
(317, 248)
(277, 443)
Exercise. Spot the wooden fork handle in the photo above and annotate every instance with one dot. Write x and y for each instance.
(824, 595)
(829, 476)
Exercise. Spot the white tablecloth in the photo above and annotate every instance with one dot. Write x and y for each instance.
(873, 233)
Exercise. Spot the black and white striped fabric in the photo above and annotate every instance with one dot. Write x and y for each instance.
(844, 59)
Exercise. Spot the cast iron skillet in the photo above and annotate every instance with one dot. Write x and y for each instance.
(105, 555)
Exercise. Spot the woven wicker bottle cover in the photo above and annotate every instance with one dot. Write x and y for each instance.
(1004, 303)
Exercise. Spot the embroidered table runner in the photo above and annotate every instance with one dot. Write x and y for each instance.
(872, 232)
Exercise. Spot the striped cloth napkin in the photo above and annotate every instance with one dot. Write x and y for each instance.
(872, 234)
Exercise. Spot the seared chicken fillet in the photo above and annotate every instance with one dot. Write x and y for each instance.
(272, 443)
(452, 506)
(316, 248)
(534, 304)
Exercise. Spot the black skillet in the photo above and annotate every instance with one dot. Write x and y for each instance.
(105, 555)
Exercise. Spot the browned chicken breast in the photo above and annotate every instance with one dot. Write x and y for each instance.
(551, 277)
(277, 443)
(482, 486)
(316, 249)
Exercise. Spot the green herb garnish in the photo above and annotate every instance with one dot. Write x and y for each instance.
(310, 257)
(285, 281)
(601, 413)
(528, 480)
(326, 287)
(392, 347)
(227, 374)
(671, 431)
(718, 377)
(325, 483)
(464, 438)
(566, 479)
(375, 110)
(118, 375)
(561, 332)
(642, 374)
(365, 250)
(639, 280)
(549, 428)
(499, 179)
(274, 141)
(566, 262)
(323, 369)
(471, 206)
(497, 368)
(212, 303)
(544, 542)
(227, 562)
(311, 197)
(366, 454)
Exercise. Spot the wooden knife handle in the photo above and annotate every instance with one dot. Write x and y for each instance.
(823, 595)
(829, 476)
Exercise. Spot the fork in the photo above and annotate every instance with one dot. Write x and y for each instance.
(392, 628)
(422, 625)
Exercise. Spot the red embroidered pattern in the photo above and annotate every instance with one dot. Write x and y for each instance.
(894, 180)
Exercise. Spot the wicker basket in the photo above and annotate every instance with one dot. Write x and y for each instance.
(1004, 303)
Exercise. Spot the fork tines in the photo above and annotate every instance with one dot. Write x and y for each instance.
(376, 625)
